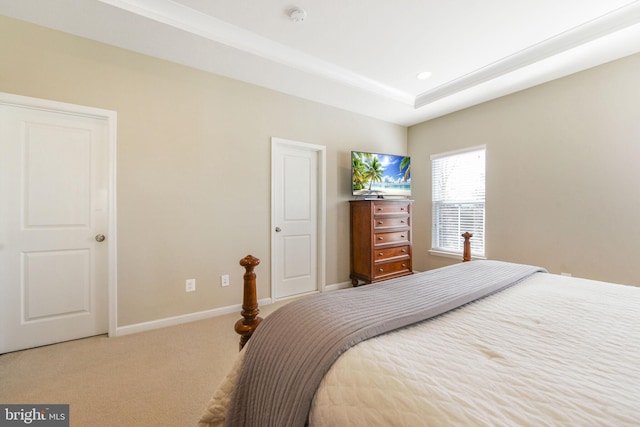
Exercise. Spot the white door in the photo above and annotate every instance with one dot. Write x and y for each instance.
(297, 217)
(53, 213)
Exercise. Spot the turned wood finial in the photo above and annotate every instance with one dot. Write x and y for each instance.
(250, 320)
(466, 254)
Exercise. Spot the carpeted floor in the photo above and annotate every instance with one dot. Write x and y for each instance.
(163, 377)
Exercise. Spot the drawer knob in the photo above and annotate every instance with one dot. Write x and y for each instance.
(402, 235)
(404, 265)
(402, 221)
(404, 250)
(380, 270)
(380, 254)
(380, 209)
(380, 238)
(380, 222)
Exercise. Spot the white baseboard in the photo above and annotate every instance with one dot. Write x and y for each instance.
(185, 318)
(337, 286)
(201, 315)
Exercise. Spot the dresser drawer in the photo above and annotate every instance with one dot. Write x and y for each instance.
(391, 268)
(383, 239)
(395, 252)
(390, 208)
(391, 222)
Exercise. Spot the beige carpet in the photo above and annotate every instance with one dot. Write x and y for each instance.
(163, 377)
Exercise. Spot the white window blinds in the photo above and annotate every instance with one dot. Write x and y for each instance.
(458, 200)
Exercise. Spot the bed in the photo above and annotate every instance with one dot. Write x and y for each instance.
(482, 343)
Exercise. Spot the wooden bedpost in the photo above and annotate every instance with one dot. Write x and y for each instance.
(250, 320)
(466, 254)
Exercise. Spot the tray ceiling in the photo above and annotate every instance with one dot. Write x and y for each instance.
(362, 55)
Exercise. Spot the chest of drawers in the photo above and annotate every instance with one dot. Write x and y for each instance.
(380, 247)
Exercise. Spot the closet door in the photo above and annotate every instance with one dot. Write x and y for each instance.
(54, 218)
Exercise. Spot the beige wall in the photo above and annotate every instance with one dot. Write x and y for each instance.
(193, 164)
(563, 166)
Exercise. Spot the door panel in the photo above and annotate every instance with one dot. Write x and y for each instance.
(41, 290)
(54, 186)
(297, 255)
(56, 163)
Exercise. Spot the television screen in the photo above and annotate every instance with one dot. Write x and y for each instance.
(379, 175)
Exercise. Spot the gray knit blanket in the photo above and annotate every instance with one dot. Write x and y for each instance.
(296, 345)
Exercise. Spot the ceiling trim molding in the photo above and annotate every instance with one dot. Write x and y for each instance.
(200, 24)
(211, 28)
(611, 22)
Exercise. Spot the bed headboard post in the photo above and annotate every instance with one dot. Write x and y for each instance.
(250, 310)
(466, 254)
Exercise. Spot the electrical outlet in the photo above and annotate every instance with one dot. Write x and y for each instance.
(190, 285)
(224, 280)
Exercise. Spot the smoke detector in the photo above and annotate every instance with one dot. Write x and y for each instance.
(297, 15)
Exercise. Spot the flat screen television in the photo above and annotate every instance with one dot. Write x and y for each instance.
(376, 175)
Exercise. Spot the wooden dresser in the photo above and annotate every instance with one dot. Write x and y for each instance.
(380, 240)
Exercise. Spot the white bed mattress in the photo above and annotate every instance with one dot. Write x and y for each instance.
(550, 351)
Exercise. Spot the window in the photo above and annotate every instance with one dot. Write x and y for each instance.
(458, 189)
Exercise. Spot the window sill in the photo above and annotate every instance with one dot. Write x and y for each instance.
(453, 255)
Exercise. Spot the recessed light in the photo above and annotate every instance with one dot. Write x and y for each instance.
(424, 75)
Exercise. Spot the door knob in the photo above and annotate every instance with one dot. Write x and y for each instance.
(278, 229)
(100, 237)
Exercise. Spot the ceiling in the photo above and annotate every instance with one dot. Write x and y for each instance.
(362, 55)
